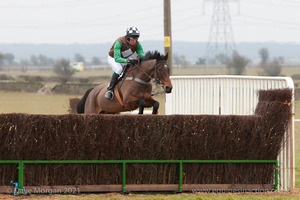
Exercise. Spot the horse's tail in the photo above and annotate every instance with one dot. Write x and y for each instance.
(81, 103)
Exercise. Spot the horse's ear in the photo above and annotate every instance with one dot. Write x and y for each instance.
(166, 56)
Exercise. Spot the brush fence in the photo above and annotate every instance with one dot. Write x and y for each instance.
(237, 95)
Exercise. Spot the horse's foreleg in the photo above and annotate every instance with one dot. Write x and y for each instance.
(155, 107)
(141, 106)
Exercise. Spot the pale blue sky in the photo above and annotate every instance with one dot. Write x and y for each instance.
(100, 21)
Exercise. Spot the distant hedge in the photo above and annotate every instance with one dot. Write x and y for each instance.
(20, 86)
(68, 88)
(71, 88)
(28, 83)
(45, 79)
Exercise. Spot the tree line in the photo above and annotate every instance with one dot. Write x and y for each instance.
(8, 59)
(235, 64)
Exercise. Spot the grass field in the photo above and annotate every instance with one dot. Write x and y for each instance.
(203, 70)
(184, 196)
(33, 103)
(59, 104)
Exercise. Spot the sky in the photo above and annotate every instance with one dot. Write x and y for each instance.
(102, 21)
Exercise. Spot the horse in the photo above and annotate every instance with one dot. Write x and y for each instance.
(133, 90)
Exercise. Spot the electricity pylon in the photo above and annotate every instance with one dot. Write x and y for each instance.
(221, 40)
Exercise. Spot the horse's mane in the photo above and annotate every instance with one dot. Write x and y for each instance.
(153, 55)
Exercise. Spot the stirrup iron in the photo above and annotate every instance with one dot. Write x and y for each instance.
(109, 95)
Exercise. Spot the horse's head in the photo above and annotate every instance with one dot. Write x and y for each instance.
(162, 73)
(154, 66)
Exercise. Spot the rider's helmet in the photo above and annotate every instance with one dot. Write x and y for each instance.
(132, 32)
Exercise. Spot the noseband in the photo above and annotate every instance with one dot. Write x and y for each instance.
(156, 78)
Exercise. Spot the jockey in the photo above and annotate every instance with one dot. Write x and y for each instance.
(125, 50)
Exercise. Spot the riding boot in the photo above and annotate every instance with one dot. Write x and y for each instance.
(110, 89)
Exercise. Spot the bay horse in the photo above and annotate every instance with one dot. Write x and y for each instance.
(133, 91)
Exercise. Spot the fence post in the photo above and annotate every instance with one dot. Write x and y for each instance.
(124, 176)
(21, 175)
(180, 175)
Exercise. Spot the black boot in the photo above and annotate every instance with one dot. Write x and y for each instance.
(110, 90)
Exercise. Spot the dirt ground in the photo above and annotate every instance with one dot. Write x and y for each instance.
(295, 194)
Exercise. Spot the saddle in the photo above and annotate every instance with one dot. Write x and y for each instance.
(117, 92)
(119, 97)
(125, 68)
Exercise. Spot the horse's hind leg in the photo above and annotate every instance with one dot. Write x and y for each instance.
(141, 106)
(155, 107)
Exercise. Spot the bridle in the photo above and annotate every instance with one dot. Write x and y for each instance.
(155, 73)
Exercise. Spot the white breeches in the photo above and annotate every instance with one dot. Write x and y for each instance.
(116, 67)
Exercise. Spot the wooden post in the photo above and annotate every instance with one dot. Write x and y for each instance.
(167, 32)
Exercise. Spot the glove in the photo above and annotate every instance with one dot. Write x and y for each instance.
(132, 61)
